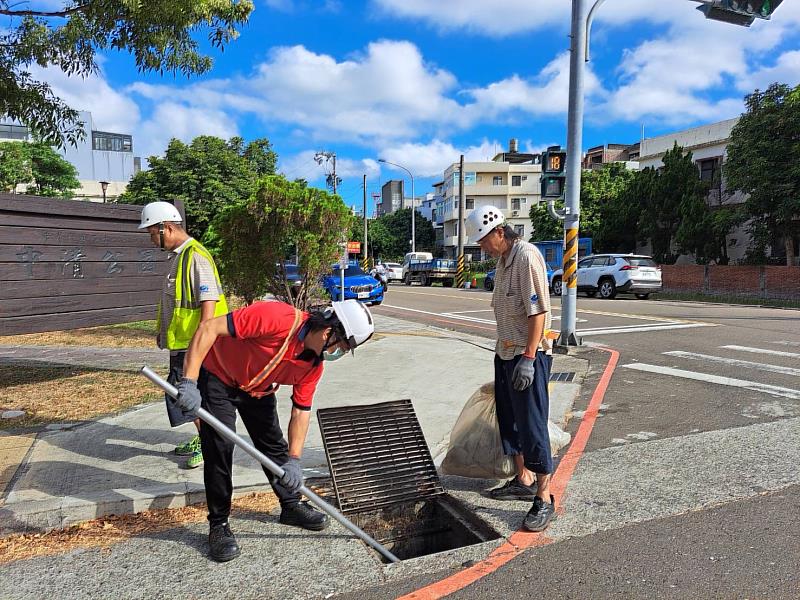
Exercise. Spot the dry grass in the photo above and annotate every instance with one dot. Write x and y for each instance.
(69, 394)
(141, 334)
(106, 531)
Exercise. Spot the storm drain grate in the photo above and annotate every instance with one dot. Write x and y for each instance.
(563, 377)
(377, 455)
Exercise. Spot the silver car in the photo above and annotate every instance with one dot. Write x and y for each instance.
(607, 275)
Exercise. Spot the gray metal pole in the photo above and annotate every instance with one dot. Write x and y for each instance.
(572, 209)
(413, 214)
(366, 257)
(461, 209)
(229, 435)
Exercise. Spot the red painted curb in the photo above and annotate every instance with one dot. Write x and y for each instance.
(522, 540)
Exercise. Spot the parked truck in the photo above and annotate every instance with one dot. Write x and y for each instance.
(422, 267)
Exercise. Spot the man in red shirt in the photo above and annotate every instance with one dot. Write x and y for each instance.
(235, 363)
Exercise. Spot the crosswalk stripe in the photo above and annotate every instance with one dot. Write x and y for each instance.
(772, 390)
(744, 364)
(638, 328)
(762, 351)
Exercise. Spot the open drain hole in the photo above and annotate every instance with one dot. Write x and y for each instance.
(422, 527)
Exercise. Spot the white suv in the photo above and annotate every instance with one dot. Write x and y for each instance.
(611, 274)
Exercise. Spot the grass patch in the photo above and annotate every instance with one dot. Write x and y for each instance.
(56, 394)
(139, 334)
(727, 299)
(113, 529)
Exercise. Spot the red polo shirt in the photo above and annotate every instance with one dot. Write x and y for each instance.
(257, 333)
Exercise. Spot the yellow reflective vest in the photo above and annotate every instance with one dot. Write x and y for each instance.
(186, 316)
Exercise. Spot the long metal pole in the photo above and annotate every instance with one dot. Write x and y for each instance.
(366, 254)
(569, 290)
(461, 211)
(229, 435)
(413, 214)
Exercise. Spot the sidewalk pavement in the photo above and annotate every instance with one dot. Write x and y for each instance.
(124, 464)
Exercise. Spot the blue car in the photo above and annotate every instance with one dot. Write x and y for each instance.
(357, 285)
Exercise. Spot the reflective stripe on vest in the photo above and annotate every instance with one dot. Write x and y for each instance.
(186, 316)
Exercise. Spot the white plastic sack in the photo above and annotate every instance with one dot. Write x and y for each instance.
(475, 448)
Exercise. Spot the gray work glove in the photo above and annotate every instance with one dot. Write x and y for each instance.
(292, 478)
(188, 399)
(523, 373)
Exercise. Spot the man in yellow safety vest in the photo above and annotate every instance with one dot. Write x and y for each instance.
(192, 294)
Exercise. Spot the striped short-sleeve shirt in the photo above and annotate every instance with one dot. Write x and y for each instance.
(520, 291)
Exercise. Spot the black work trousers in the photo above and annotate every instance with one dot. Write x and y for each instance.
(260, 418)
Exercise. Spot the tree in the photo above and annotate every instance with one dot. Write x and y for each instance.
(764, 162)
(398, 223)
(545, 227)
(44, 171)
(674, 188)
(206, 175)
(599, 189)
(157, 33)
(15, 166)
(254, 238)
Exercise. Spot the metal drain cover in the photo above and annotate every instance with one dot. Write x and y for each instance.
(563, 377)
(377, 455)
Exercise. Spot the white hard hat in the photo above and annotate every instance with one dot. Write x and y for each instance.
(356, 320)
(159, 212)
(481, 221)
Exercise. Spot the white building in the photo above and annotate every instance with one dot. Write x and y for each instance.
(102, 157)
(708, 145)
(510, 182)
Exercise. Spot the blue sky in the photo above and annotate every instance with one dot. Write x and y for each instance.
(419, 82)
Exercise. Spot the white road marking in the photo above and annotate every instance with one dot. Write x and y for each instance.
(640, 328)
(744, 364)
(772, 390)
(762, 351)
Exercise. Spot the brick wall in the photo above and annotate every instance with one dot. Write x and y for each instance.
(718, 280)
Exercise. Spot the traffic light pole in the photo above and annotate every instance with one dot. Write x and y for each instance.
(572, 209)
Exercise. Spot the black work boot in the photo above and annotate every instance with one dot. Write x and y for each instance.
(222, 543)
(540, 514)
(303, 515)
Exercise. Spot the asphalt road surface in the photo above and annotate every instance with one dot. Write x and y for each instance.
(689, 485)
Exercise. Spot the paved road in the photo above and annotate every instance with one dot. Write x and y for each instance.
(690, 479)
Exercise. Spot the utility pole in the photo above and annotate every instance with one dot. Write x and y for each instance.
(460, 269)
(365, 262)
(572, 211)
(331, 180)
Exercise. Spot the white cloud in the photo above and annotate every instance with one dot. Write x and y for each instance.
(111, 110)
(785, 70)
(431, 159)
(546, 94)
(174, 120)
(495, 18)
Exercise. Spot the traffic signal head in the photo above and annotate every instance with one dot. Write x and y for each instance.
(757, 8)
(739, 12)
(552, 186)
(554, 161)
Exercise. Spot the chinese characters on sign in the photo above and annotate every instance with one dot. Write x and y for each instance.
(147, 261)
(113, 265)
(72, 261)
(29, 256)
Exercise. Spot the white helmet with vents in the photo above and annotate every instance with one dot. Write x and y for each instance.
(156, 213)
(481, 221)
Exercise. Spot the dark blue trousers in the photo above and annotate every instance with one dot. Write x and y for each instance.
(522, 416)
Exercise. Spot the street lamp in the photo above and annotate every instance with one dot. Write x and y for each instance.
(413, 202)
(104, 186)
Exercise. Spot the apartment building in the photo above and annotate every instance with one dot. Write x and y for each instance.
(510, 181)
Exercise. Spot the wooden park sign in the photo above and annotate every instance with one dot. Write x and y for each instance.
(66, 264)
